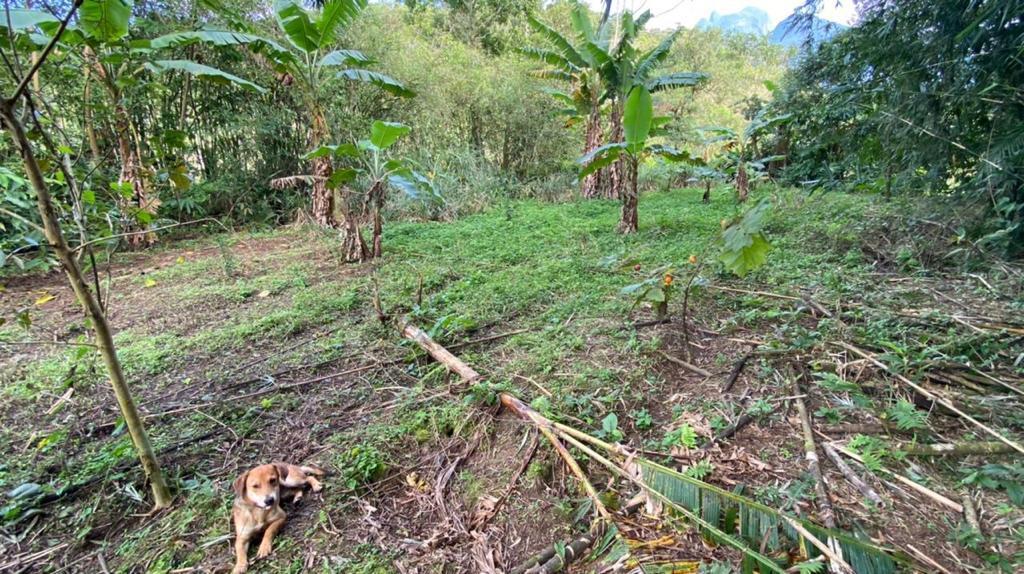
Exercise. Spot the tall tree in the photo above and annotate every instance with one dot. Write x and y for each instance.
(96, 15)
(578, 61)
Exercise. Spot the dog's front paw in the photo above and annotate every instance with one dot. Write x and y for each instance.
(264, 550)
(240, 568)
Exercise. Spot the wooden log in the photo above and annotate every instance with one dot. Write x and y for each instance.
(439, 353)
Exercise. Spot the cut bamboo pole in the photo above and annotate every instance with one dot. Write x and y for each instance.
(927, 492)
(957, 449)
(852, 476)
(930, 395)
(828, 516)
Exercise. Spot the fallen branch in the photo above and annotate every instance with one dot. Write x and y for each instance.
(930, 395)
(734, 375)
(688, 366)
(956, 449)
(852, 476)
(927, 492)
(549, 561)
(744, 420)
(828, 516)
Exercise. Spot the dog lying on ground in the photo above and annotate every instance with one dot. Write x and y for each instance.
(258, 504)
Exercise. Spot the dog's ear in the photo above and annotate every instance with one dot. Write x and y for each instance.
(239, 484)
(282, 471)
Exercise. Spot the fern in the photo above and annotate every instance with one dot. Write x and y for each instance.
(907, 416)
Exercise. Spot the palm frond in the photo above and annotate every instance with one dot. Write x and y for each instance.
(548, 57)
(561, 44)
(675, 80)
(759, 526)
(651, 59)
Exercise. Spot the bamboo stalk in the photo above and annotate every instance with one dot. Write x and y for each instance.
(957, 449)
(931, 494)
(834, 552)
(930, 395)
(852, 476)
(91, 307)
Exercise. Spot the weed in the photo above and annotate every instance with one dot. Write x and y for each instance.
(360, 465)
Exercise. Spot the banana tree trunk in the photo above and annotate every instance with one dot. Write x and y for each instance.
(617, 175)
(376, 201)
(590, 187)
(91, 306)
(323, 196)
(742, 182)
(630, 221)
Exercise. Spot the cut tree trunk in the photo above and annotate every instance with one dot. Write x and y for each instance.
(617, 170)
(590, 187)
(630, 221)
(91, 306)
(707, 192)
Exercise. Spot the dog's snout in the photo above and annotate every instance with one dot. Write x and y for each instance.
(269, 500)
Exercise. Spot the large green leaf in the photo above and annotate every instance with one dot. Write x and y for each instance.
(548, 57)
(297, 26)
(581, 22)
(636, 118)
(385, 134)
(105, 20)
(202, 71)
(656, 56)
(600, 157)
(744, 247)
(22, 20)
(562, 45)
(759, 529)
(344, 58)
(386, 83)
(676, 80)
(336, 14)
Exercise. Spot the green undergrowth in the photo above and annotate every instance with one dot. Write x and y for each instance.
(557, 272)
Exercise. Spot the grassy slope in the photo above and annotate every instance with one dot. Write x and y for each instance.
(553, 269)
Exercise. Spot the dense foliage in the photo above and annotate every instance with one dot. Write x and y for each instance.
(484, 127)
(922, 97)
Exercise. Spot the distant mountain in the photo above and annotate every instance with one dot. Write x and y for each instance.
(749, 20)
(794, 31)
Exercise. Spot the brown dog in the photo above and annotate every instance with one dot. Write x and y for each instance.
(258, 504)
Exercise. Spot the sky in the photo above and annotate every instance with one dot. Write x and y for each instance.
(672, 13)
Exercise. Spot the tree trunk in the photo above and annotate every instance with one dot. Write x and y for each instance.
(376, 201)
(323, 196)
(590, 187)
(742, 183)
(630, 221)
(104, 338)
(617, 175)
(707, 192)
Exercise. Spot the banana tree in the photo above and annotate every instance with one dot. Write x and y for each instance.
(638, 122)
(739, 158)
(369, 163)
(100, 44)
(308, 64)
(577, 61)
(624, 69)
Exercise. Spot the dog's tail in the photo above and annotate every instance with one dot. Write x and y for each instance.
(314, 470)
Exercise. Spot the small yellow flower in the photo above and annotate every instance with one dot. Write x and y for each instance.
(693, 260)
(668, 279)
